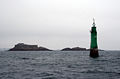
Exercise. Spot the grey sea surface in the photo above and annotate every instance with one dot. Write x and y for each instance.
(59, 65)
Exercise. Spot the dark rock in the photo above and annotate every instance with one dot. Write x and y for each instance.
(43, 49)
(78, 49)
(26, 47)
(74, 49)
(66, 49)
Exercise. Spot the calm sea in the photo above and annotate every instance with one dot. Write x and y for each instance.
(59, 65)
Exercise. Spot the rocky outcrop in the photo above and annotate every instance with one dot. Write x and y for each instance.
(26, 47)
(74, 49)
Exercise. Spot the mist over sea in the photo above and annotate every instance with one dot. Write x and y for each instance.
(59, 65)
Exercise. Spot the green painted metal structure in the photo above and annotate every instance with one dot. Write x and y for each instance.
(93, 38)
(93, 45)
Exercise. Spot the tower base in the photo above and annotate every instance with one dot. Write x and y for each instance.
(94, 53)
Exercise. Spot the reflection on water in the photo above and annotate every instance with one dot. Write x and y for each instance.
(59, 65)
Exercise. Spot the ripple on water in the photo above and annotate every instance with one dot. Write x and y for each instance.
(59, 65)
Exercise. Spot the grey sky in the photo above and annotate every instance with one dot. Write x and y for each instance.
(59, 23)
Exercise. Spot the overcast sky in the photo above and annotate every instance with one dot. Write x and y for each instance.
(59, 23)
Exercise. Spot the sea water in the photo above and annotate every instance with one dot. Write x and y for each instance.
(59, 65)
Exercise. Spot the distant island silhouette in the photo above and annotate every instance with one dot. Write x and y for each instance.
(27, 47)
(74, 49)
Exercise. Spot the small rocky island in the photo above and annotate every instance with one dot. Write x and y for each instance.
(26, 47)
(74, 49)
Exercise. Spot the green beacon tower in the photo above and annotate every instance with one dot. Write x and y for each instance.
(93, 46)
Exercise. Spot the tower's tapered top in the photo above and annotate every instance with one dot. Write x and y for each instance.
(93, 22)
